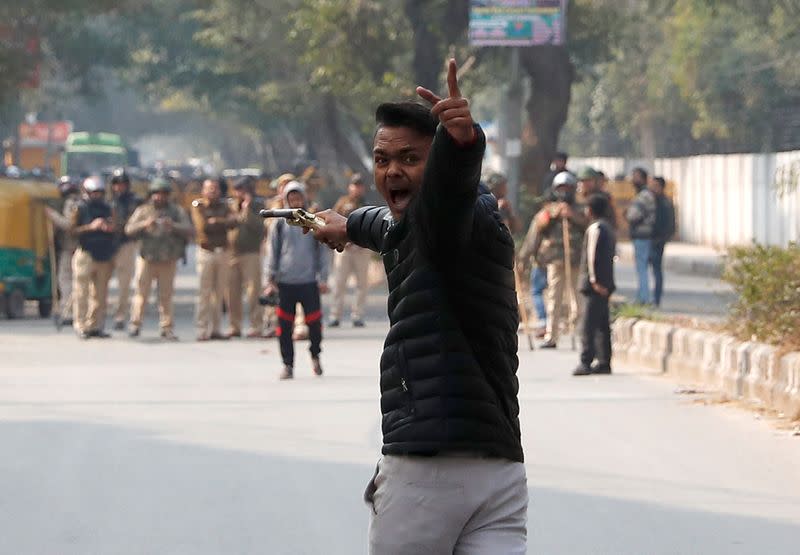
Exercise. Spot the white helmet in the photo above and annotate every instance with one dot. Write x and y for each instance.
(565, 178)
(92, 184)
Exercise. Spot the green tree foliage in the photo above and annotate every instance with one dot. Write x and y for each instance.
(692, 76)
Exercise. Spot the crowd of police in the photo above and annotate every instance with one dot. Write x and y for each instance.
(266, 276)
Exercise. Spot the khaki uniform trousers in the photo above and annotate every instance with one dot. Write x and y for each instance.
(164, 274)
(89, 291)
(353, 261)
(559, 299)
(124, 267)
(212, 268)
(245, 277)
(65, 284)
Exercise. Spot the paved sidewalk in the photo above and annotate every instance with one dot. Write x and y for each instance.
(684, 258)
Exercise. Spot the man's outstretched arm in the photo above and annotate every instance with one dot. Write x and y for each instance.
(452, 174)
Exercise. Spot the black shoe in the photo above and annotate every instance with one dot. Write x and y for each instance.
(358, 323)
(66, 321)
(84, 334)
(317, 367)
(288, 373)
(548, 345)
(119, 325)
(218, 337)
(582, 370)
(100, 334)
(601, 369)
(333, 323)
(134, 331)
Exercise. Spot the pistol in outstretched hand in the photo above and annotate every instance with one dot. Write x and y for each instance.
(295, 216)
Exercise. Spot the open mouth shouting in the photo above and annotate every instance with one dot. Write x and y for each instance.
(399, 197)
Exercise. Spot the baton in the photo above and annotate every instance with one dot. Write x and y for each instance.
(295, 216)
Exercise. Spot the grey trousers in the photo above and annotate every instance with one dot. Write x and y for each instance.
(441, 505)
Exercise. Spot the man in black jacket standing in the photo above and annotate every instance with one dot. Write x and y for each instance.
(596, 283)
(451, 479)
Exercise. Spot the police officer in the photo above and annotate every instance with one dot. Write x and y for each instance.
(123, 205)
(69, 188)
(163, 228)
(592, 182)
(246, 240)
(545, 244)
(353, 261)
(212, 218)
(93, 261)
(498, 185)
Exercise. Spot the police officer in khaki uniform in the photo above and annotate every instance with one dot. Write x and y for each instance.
(212, 218)
(353, 260)
(123, 205)
(67, 243)
(246, 240)
(164, 229)
(93, 261)
(545, 244)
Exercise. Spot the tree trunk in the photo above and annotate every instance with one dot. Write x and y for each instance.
(551, 73)
(428, 60)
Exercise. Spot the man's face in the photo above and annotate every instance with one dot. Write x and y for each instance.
(500, 190)
(119, 188)
(295, 199)
(160, 198)
(559, 164)
(211, 190)
(400, 154)
(356, 190)
(97, 195)
(638, 178)
(240, 193)
(587, 186)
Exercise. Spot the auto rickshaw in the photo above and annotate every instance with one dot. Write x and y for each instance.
(25, 247)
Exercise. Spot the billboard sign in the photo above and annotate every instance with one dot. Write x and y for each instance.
(517, 22)
(43, 133)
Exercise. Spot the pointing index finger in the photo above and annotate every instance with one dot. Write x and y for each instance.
(452, 80)
(428, 95)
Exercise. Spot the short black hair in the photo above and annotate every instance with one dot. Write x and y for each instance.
(598, 204)
(640, 170)
(561, 155)
(661, 181)
(406, 114)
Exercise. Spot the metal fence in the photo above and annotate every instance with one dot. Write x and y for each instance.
(725, 200)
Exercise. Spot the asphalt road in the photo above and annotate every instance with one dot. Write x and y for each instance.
(122, 446)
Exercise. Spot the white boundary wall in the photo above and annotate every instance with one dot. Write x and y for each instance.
(729, 199)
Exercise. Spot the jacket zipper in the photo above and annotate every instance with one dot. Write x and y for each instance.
(403, 365)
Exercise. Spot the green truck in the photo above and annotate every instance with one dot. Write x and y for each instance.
(88, 153)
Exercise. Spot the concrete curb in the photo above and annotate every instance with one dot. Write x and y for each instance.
(745, 370)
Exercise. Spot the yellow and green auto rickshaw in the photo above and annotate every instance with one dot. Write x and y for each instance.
(25, 247)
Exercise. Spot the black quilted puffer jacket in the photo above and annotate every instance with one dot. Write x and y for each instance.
(448, 370)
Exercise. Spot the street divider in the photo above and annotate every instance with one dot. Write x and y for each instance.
(744, 370)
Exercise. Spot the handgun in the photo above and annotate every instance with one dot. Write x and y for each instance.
(295, 216)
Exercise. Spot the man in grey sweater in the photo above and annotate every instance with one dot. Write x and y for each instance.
(297, 269)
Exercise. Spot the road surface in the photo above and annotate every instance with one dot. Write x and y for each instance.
(137, 446)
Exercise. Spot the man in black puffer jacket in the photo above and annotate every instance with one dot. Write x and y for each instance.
(452, 478)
